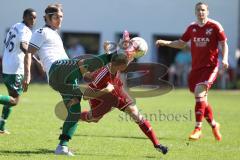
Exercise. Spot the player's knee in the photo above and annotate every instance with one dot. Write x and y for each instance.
(72, 102)
(134, 113)
(200, 90)
(14, 101)
(91, 119)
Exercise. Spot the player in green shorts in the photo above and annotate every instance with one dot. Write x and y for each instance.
(63, 73)
(15, 45)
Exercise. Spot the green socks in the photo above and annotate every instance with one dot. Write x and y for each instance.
(5, 100)
(5, 114)
(70, 124)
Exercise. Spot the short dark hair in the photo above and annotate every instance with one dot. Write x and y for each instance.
(28, 11)
(53, 8)
(119, 59)
(201, 3)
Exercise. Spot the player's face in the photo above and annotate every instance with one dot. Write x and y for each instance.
(56, 20)
(201, 12)
(122, 67)
(31, 19)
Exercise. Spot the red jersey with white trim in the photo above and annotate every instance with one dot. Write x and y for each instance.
(103, 76)
(204, 43)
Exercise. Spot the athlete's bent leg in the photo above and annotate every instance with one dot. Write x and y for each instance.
(145, 126)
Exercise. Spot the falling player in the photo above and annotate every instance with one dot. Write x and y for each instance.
(106, 91)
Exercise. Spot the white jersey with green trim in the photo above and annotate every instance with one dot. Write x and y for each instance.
(13, 56)
(49, 45)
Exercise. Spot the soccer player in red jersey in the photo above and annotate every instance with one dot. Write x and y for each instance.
(106, 91)
(205, 35)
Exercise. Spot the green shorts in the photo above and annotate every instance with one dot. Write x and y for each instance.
(13, 82)
(64, 77)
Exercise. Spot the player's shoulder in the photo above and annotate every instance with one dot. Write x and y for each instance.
(20, 27)
(39, 31)
(192, 24)
(215, 24)
(103, 70)
(42, 30)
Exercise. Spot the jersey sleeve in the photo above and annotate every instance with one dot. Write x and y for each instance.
(37, 38)
(186, 35)
(220, 33)
(101, 79)
(25, 35)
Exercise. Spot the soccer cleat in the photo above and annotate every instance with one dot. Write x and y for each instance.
(2, 132)
(196, 134)
(216, 132)
(63, 150)
(162, 149)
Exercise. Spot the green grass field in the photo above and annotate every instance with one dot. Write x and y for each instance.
(35, 129)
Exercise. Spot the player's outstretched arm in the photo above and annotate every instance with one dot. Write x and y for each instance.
(89, 93)
(173, 44)
(27, 67)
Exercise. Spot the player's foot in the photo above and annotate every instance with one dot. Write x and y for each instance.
(63, 150)
(162, 149)
(2, 132)
(196, 134)
(216, 132)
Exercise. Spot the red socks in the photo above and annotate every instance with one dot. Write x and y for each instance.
(147, 130)
(203, 109)
(209, 115)
(199, 113)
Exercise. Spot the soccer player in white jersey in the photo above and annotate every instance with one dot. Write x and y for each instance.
(15, 45)
(63, 73)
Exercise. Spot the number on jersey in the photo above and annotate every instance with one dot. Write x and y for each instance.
(9, 42)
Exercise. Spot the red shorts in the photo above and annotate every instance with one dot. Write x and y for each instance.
(118, 99)
(204, 76)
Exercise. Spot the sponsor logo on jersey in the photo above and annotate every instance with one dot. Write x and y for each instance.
(201, 41)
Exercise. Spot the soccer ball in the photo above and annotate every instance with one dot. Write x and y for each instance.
(140, 45)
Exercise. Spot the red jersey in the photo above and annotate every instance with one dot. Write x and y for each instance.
(204, 43)
(103, 76)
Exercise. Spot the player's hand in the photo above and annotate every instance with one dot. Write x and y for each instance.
(225, 64)
(106, 47)
(160, 43)
(109, 88)
(26, 82)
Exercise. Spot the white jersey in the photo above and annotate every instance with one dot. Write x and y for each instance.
(49, 45)
(13, 56)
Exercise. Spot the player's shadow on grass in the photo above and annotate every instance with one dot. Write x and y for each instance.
(26, 152)
(110, 136)
(118, 155)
